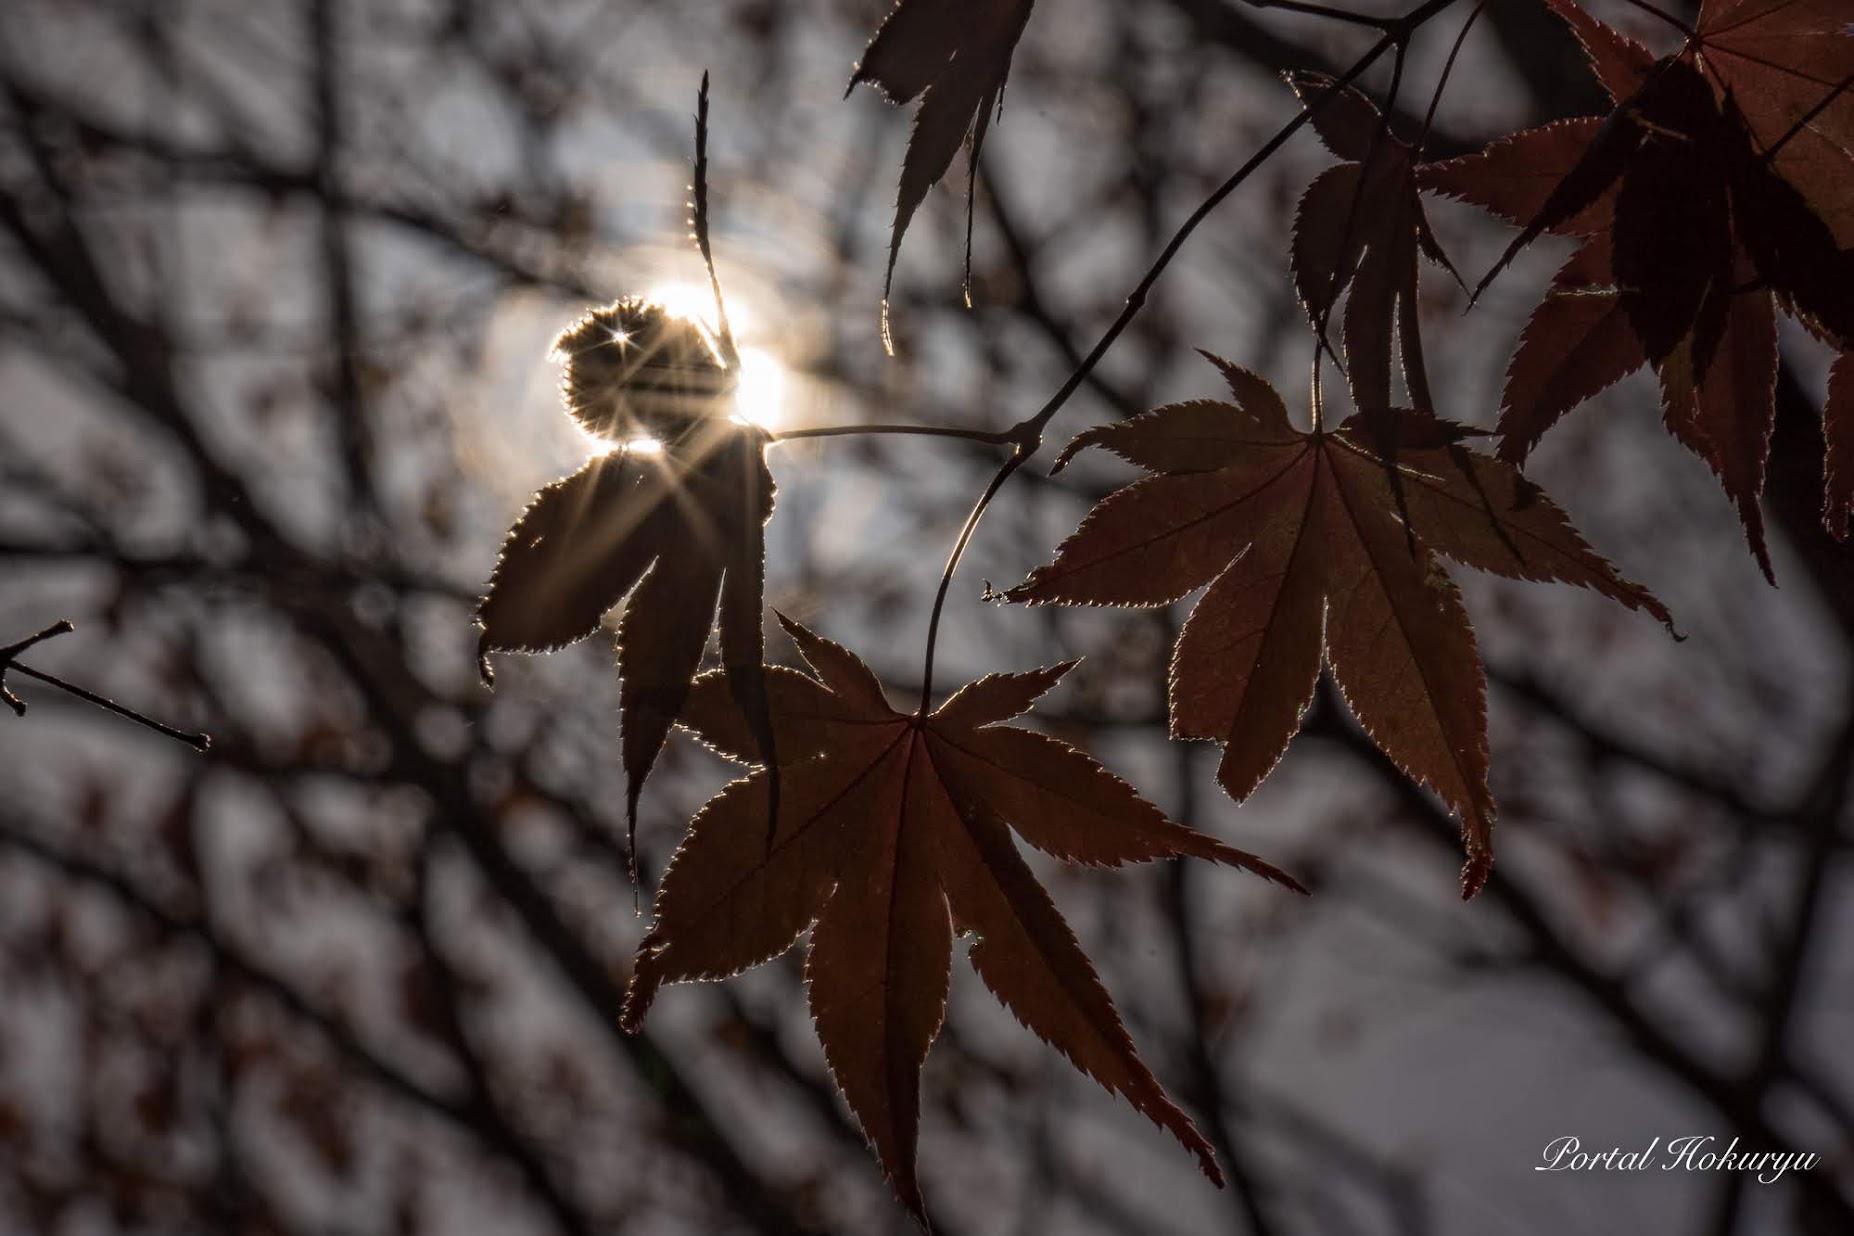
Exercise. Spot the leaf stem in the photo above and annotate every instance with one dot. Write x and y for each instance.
(1384, 24)
(1448, 69)
(1315, 414)
(992, 437)
(9, 661)
(1018, 459)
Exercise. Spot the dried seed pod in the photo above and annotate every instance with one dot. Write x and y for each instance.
(634, 369)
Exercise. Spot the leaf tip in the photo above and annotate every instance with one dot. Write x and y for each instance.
(642, 991)
(1474, 872)
(1207, 1162)
(632, 789)
(790, 625)
(1079, 443)
(1019, 594)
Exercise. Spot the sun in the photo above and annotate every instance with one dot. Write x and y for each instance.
(759, 399)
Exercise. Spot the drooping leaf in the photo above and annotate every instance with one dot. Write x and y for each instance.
(1791, 245)
(1308, 547)
(675, 528)
(1721, 180)
(1515, 176)
(954, 57)
(1577, 343)
(1671, 238)
(1347, 122)
(1726, 418)
(1357, 232)
(894, 832)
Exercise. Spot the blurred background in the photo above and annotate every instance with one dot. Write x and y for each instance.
(277, 283)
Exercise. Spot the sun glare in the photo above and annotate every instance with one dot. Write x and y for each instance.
(760, 397)
(635, 446)
(696, 302)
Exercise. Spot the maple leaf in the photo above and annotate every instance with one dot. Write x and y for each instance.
(1360, 225)
(1714, 191)
(954, 57)
(1320, 543)
(1579, 341)
(674, 529)
(890, 823)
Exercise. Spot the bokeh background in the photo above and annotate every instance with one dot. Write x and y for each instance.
(277, 282)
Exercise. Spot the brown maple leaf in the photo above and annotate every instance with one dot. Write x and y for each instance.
(888, 824)
(1316, 542)
(954, 57)
(673, 528)
(1716, 189)
(1360, 226)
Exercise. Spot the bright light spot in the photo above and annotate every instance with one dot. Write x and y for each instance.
(760, 397)
(605, 446)
(696, 302)
(595, 445)
(620, 337)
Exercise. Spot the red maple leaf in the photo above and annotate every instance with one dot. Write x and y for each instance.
(1320, 546)
(1359, 227)
(672, 529)
(954, 57)
(1715, 191)
(894, 832)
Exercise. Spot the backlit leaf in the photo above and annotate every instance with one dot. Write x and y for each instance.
(1322, 543)
(1718, 185)
(894, 831)
(954, 57)
(1357, 232)
(677, 529)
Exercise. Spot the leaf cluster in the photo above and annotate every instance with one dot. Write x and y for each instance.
(1712, 197)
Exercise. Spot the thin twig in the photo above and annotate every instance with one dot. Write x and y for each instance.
(1028, 434)
(1018, 459)
(9, 661)
(1448, 69)
(1384, 24)
(1136, 300)
(992, 437)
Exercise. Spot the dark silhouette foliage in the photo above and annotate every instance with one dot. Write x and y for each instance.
(366, 964)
